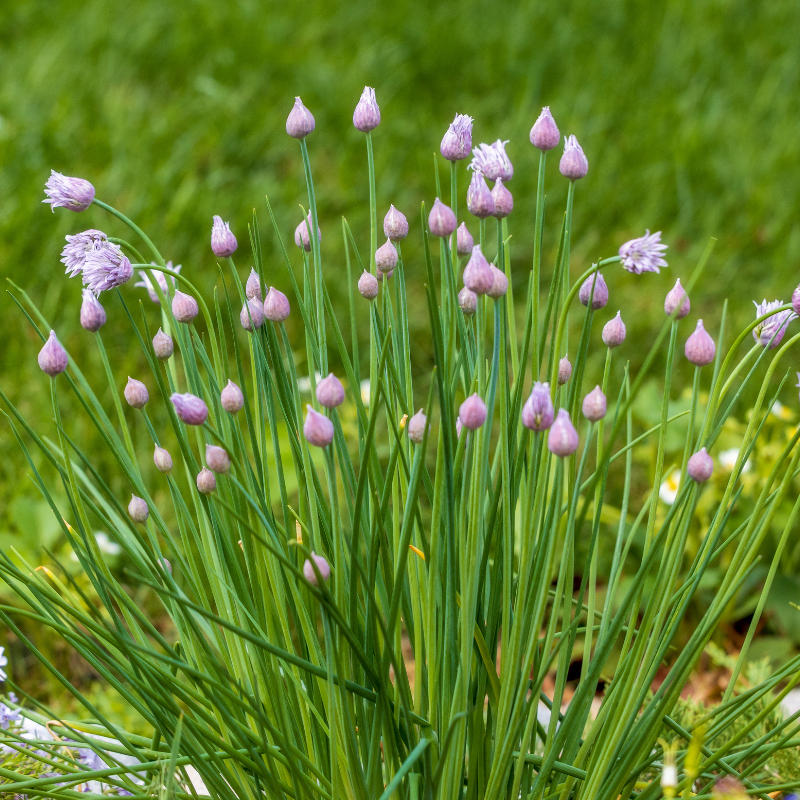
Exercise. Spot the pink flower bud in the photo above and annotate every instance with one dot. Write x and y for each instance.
(136, 393)
(441, 220)
(137, 509)
(416, 427)
(166, 565)
(367, 115)
(459, 426)
(276, 306)
(330, 392)
(538, 412)
(457, 142)
(464, 240)
(53, 357)
(700, 466)
(478, 275)
(544, 133)
(574, 164)
(480, 202)
(301, 237)
(318, 429)
(252, 289)
(503, 200)
(600, 297)
(468, 301)
(300, 121)
(614, 332)
(564, 371)
(499, 283)
(395, 225)
(162, 345)
(472, 412)
(223, 242)
(162, 459)
(232, 398)
(594, 405)
(700, 348)
(252, 315)
(206, 482)
(382, 275)
(218, 459)
(323, 567)
(386, 257)
(563, 438)
(184, 307)
(677, 297)
(190, 409)
(368, 285)
(93, 315)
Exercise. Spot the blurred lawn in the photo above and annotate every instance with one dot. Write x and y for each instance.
(175, 111)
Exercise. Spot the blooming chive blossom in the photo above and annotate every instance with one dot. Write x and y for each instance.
(167, 283)
(544, 133)
(3, 663)
(769, 333)
(53, 357)
(457, 142)
(796, 300)
(538, 413)
(598, 285)
(300, 121)
(645, 254)
(106, 269)
(93, 315)
(367, 115)
(223, 242)
(562, 440)
(76, 194)
(480, 202)
(574, 164)
(492, 161)
(78, 246)
(189, 408)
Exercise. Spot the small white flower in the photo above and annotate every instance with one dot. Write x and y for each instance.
(304, 383)
(3, 662)
(727, 460)
(669, 489)
(365, 391)
(106, 545)
(780, 411)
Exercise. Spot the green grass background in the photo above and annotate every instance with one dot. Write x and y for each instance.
(687, 110)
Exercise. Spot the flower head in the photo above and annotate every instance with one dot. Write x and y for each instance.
(137, 509)
(301, 237)
(104, 265)
(206, 481)
(165, 282)
(189, 408)
(700, 466)
(76, 194)
(53, 358)
(457, 142)
(368, 285)
(503, 200)
(223, 242)
(218, 459)
(252, 315)
(3, 663)
(162, 459)
(564, 371)
(93, 315)
(136, 394)
(574, 164)
(544, 133)
(538, 413)
(796, 300)
(594, 405)
(492, 161)
(276, 306)
(252, 289)
(499, 283)
(478, 275)
(770, 332)
(441, 220)
(300, 121)
(614, 332)
(386, 257)
(330, 392)
(323, 567)
(232, 398)
(677, 296)
(563, 438)
(468, 301)
(416, 427)
(479, 199)
(395, 225)
(78, 246)
(367, 115)
(184, 307)
(472, 412)
(645, 254)
(317, 428)
(464, 240)
(162, 345)
(597, 284)
(700, 348)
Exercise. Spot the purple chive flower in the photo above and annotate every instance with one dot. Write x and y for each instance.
(441, 220)
(368, 285)
(563, 438)
(206, 481)
(330, 392)
(53, 357)
(416, 427)
(167, 283)
(136, 394)
(564, 371)
(8, 716)
(323, 567)
(300, 121)
(464, 240)
(468, 301)
(184, 307)
(367, 115)
(317, 428)
(480, 202)
(614, 332)
(162, 459)
(503, 200)
(594, 405)
(472, 412)
(106, 268)
(700, 466)
(574, 164)
(232, 398)
(78, 246)
(252, 289)
(76, 194)
(276, 306)
(797, 386)
(162, 345)
(770, 332)
(677, 296)
(386, 257)
(644, 254)
(189, 408)
(478, 276)
(538, 412)
(218, 459)
(252, 315)
(796, 300)
(499, 283)
(223, 242)
(395, 225)
(457, 142)
(137, 509)
(700, 348)
(600, 297)
(544, 133)
(301, 237)
(492, 162)
(93, 315)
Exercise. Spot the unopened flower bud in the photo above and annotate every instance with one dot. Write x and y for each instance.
(538, 412)
(276, 306)
(563, 438)
(478, 275)
(416, 427)
(206, 481)
(594, 405)
(459, 426)
(395, 224)
(252, 289)
(614, 332)
(544, 133)
(323, 567)
(232, 398)
(300, 121)
(730, 788)
(190, 409)
(53, 357)
(166, 565)
(499, 283)
(386, 275)
(184, 307)
(676, 297)
(252, 315)
(441, 220)
(330, 392)
(301, 237)
(503, 201)
(700, 348)
(600, 296)
(574, 164)
(472, 412)
(162, 345)
(386, 257)
(468, 301)
(368, 285)
(480, 202)
(223, 242)
(93, 315)
(700, 466)
(136, 393)
(137, 509)
(218, 459)
(162, 459)
(367, 115)
(464, 240)
(317, 428)
(564, 371)
(457, 142)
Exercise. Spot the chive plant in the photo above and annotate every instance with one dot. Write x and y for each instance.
(297, 559)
